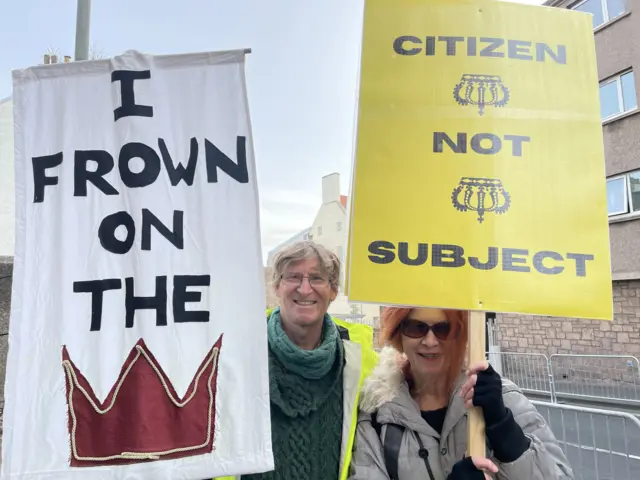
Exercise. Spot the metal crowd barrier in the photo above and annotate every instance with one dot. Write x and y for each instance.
(600, 378)
(599, 444)
(530, 371)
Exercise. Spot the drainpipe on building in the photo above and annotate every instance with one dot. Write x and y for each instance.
(83, 24)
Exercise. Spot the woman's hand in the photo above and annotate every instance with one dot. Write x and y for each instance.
(473, 468)
(483, 388)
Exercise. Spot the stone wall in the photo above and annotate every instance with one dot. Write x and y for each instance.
(6, 271)
(533, 334)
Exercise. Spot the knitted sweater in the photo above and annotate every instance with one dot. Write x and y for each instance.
(306, 413)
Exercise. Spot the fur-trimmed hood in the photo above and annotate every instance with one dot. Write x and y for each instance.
(383, 385)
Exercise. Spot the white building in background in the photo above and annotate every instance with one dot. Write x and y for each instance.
(298, 237)
(7, 186)
(330, 229)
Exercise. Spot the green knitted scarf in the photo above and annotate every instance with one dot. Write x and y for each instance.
(306, 405)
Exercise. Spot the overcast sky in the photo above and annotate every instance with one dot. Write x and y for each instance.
(301, 76)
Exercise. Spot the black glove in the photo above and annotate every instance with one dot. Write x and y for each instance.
(507, 439)
(488, 395)
(465, 470)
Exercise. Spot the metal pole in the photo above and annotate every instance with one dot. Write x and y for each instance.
(83, 24)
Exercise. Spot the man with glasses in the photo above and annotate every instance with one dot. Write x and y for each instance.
(316, 367)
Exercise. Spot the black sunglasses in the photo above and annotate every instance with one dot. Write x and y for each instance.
(416, 329)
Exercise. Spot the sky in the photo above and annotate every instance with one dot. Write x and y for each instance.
(301, 76)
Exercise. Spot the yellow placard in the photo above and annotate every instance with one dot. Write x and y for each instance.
(479, 175)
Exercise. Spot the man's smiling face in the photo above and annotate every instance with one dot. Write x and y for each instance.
(305, 293)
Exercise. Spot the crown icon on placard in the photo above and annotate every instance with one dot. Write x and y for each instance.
(142, 418)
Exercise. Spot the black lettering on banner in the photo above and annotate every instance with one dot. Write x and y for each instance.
(382, 252)
(410, 45)
(451, 44)
(181, 296)
(440, 138)
(581, 262)
(452, 253)
(117, 231)
(516, 143)
(150, 170)
(476, 143)
(540, 257)
(176, 237)
(490, 264)
(510, 261)
(421, 257)
(216, 159)
(542, 50)
(399, 48)
(40, 179)
(107, 233)
(460, 144)
(519, 49)
(490, 50)
(81, 175)
(472, 47)
(128, 106)
(157, 302)
(430, 46)
(97, 288)
(179, 172)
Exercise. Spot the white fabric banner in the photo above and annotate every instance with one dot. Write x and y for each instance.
(137, 344)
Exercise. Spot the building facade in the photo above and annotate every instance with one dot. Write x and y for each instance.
(616, 26)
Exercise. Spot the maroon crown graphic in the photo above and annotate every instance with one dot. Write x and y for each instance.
(142, 419)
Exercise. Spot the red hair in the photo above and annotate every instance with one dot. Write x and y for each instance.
(454, 354)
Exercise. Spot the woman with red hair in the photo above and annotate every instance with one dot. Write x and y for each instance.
(413, 422)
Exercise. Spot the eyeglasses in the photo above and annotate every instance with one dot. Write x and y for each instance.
(416, 329)
(295, 279)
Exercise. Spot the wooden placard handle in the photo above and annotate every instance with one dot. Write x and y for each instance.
(476, 445)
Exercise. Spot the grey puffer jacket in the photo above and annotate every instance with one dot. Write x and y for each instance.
(386, 391)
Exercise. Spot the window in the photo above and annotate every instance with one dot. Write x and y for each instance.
(319, 231)
(602, 10)
(633, 179)
(618, 95)
(339, 226)
(623, 194)
(617, 196)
